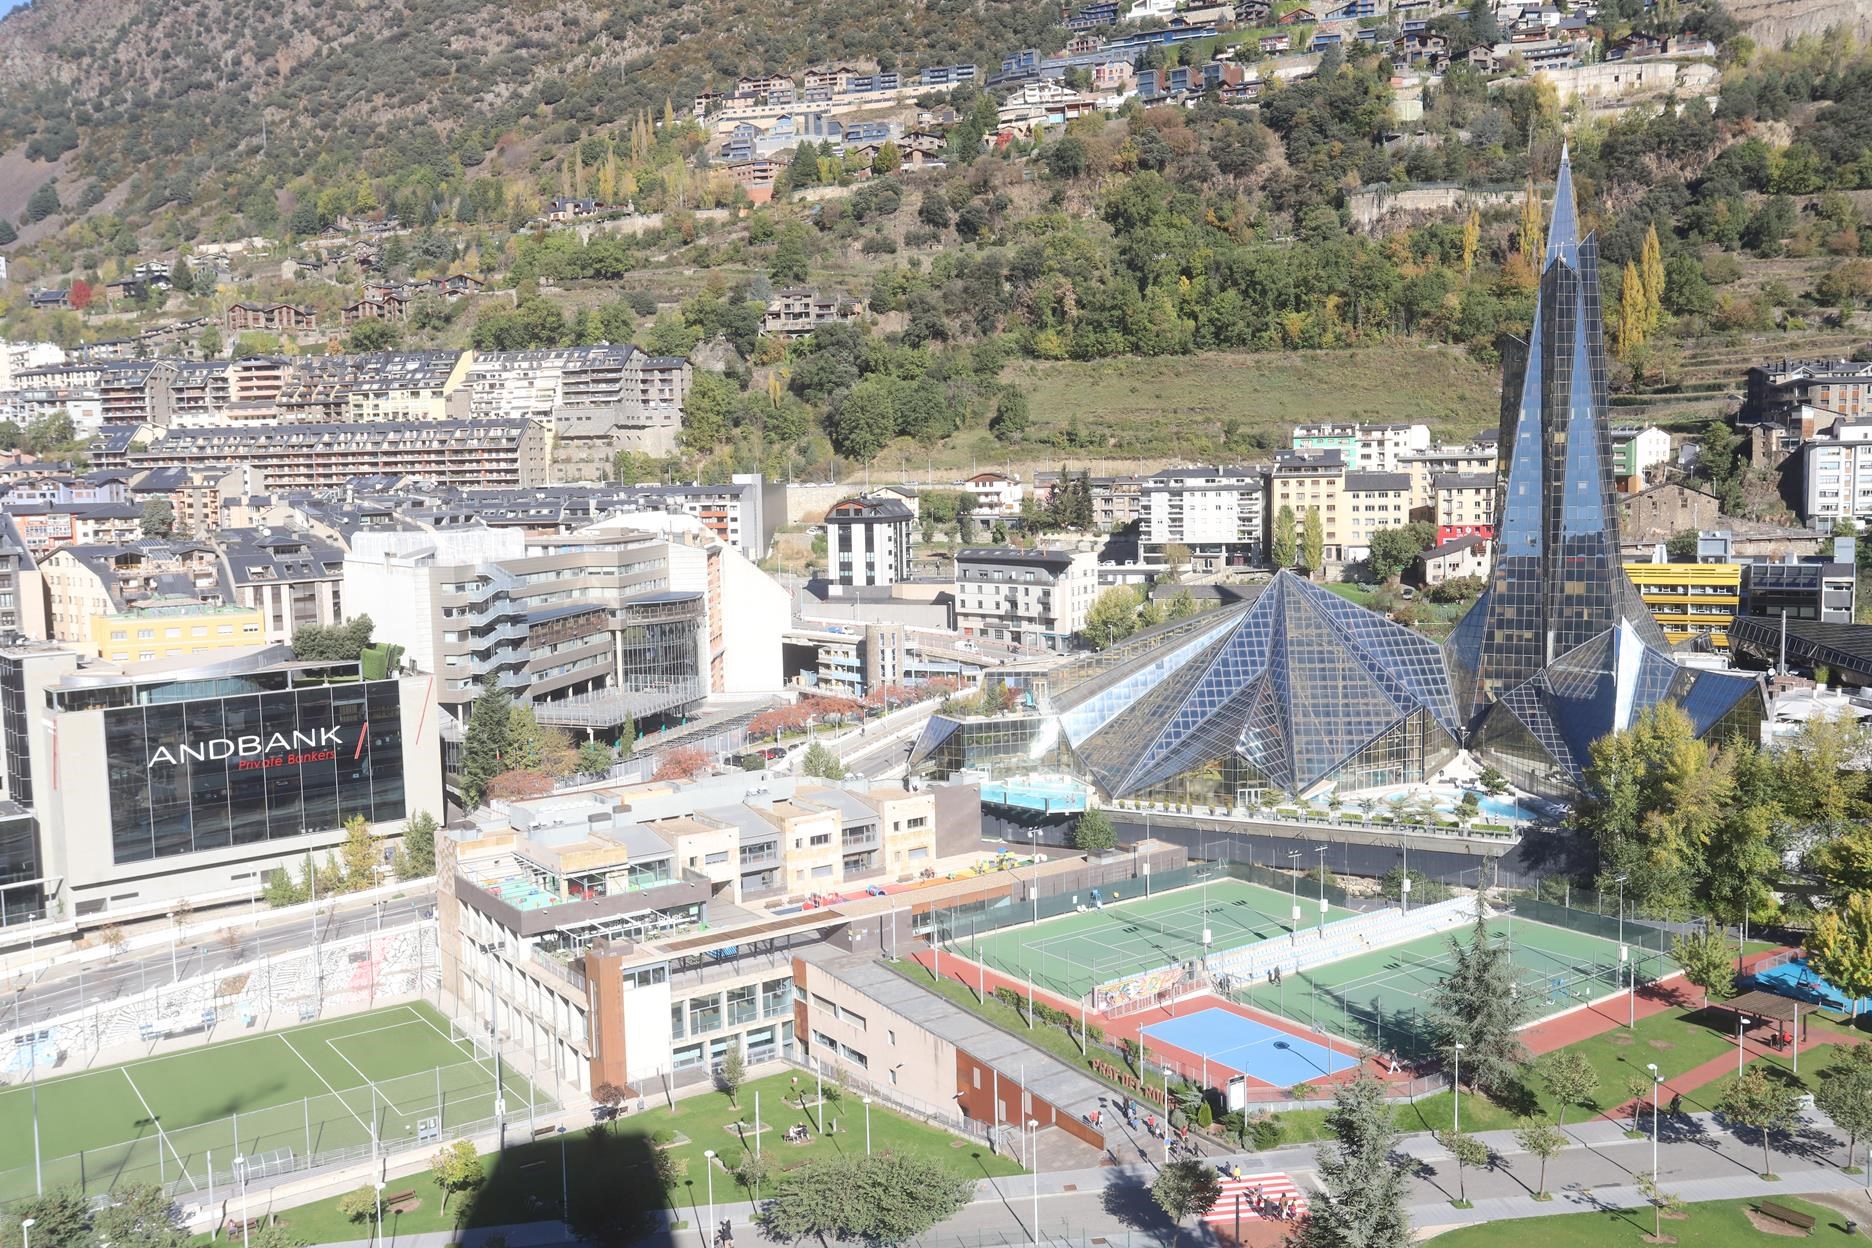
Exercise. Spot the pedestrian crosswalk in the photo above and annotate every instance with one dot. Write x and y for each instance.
(1257, 1196)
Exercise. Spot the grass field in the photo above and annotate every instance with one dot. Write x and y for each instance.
(1378, 998)
(319, 1089)
(1712, 1224)
(1072, 953)
(604, 1173)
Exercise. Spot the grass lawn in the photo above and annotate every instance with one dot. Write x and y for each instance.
(1712, 1224)
(607, 1167)
(1052, 1038)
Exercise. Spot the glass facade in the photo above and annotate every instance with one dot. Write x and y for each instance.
(208, 773)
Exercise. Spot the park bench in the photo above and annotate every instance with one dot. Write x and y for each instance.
(401, 1202)
(540, 1133)
(237, 1227)
(1781, 1213)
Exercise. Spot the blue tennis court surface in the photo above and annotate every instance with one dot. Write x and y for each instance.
(1797, 980)
(1263, 1053)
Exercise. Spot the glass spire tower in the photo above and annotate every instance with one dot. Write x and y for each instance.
(1560, 650)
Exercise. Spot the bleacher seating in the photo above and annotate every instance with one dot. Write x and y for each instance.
(1343, 938)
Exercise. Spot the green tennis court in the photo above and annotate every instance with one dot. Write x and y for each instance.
(1379, 999)
(1070, 954)
(275, 1098)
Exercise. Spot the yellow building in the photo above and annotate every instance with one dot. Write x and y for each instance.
(1688, 599)
(168, 630)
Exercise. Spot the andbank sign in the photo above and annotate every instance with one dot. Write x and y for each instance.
(279, 749)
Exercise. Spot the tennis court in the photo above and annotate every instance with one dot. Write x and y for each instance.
(1069, 954)
(402, 1076)
(1380, 999)
(1228, 1042)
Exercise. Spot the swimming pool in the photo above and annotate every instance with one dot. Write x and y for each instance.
(1042, 793)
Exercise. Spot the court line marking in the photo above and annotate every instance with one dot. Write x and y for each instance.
(456, 1044)
(328, 1087)
(162, 1136)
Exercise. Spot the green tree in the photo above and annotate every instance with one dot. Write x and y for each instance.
(1466, 1151)
(484, 743)
(1569, 1079)
(44, 202)
(1393, 550)
(707, 412)
(1093, 831)
(61, 1219)
(1651, 279)
(372, 335)
(818, 760)
(157, 519)
(1682, 547)
(8, 235)
(1544, 1141)
(732, 1074)
(1655, 794)
(359, 854)
(595, 759)
(1707, 960)
(1845, 1093)
(1313, 542)
(865, 419)
(139, 1216)
(416, 856)
(1186, 1188)
(336, 643)
(1361, 1201)
(1112, 617)
(1840, 947)
(1479, 1007)
(886, 1198)
(1765, 1104)
(359, 1204)
(1011, 415)
(1286, 547)
(456, 1168)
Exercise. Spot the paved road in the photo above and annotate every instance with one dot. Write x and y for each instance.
(886, 759)
(67, 986)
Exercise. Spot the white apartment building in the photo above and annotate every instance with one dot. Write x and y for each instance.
(1836, 478)
(868, 541)
(1218, 512)
(1373, 501)
(17, 357)
(1366, 448)
(1029, 597)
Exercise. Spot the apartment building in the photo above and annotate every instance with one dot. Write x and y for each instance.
(1690, 599)
(591, 621)
(85, 583)
(868, 541)
(1843, 386)
(1116, 501)
(1836, 476)
(1308, 480)
(1372, 502)
(621, 381)
(22, 591)
(997, 495)
(175, 628)
(46, 526)
(273, 318)
(1463, 504)
(385, 386)
(588, 916)
(463, 453)
(1034, 598)
(1635, 451)
(136, 392)
(1218, 512)
(291, 577)
(1365, 448)
(1819, 589)
(797, 311)
(1424, 467)
(19, 357)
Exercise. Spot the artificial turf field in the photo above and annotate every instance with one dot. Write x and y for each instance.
(1378, 998)
(1072, 953)
(321, 1088)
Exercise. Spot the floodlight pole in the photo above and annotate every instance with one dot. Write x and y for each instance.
(1321, 851)
(1630, 973)
(1657, 1083)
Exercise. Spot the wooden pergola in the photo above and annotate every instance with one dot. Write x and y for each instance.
(1760, 1006)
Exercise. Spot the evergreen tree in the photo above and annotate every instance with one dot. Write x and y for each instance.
(1478, 1006)
(1313, 542)
(1285, 541)
(1093, 831)
(484, 745)
(416, 858)
(1361, 1204)
(7, 233)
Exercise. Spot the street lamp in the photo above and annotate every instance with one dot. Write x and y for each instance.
(867, 1105)
(1657, 1086)
(708, 1163)
(26, 1226)
(379, 1186)
(1033, 1125)
(1321, 851)
(1456, 1092)
(1293, 860)
(1632, 1008)
(240, 1173)
(1742, 1024)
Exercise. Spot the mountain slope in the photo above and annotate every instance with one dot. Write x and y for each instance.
(204, 106)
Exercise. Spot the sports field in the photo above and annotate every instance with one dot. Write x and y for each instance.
(272, 1098)
(1379, 998)
(1071, 953)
